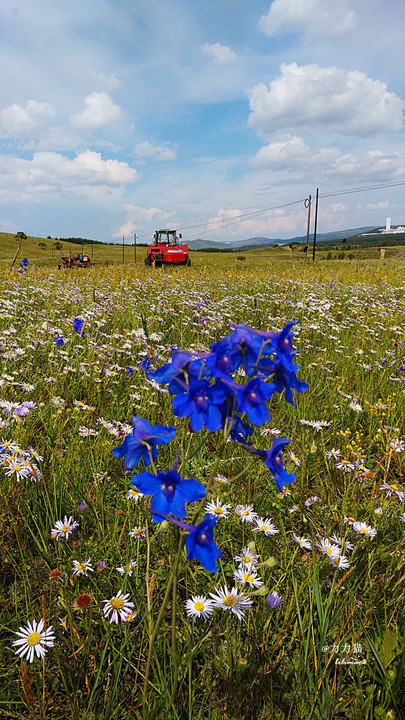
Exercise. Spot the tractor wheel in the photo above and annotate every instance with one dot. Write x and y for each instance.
(188, 262)
(148, 261)
(158, 264)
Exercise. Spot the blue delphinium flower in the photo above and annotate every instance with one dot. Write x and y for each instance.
(251, 399)
(142, 443)
(179, 373)
(170, 492)
(200, 541)
(200, 404)
(240, 348)
(274, 462)
(145, 365)
(78, 326)
(58, 340)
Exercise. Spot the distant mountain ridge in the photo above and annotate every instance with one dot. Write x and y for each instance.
(257, 242)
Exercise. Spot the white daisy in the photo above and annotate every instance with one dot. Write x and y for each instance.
(126, 569)
(139, 533)
(118, 608)
(63, 528)
(364, 529)
(134, 495)
(199, 607)
(247, 575)
(246, 513)
(302, 542)
(397, 445)
(82, 568)
(345, 545)
(393, 490)
(265, 526)
(328, 548)
(231, 601)
(339, 561)
(217, 509)
(34, 640)
(247, 557)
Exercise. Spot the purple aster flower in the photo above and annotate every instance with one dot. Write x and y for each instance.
(142, 443)
(274, 600)
(170, 492)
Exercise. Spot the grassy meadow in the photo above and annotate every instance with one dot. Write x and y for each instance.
(313, 626)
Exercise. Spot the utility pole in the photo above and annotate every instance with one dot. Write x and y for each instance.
(307, 204)
(123, 251)
(135, 248)
(316, 224)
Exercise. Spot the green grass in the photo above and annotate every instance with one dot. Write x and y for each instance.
(276, 663)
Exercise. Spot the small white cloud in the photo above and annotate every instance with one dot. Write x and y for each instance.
(331, 99)
(314, 18)
(26, 122)
(221, 54)
(98, 79)
(99, 111)
(50, 173)
(291, 153)
(158, 152)
(138, 216)
(382, 205)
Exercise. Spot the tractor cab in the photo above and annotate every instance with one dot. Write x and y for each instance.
(166, 250)
(166, 237)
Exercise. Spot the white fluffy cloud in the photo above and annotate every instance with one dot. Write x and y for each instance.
(271, 224)
(99, 111)
(329, 99)
(315, 18)
(26, 122)
(293, 156)
(158, 152)
(50, 172)
(291, 153)
(221, 54)
(138, 216)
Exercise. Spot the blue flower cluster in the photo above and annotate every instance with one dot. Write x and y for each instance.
(23, 266)
(204, 390)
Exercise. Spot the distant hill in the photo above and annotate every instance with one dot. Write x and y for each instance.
(258, 242)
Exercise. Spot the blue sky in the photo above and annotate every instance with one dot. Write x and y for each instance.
(122, 116)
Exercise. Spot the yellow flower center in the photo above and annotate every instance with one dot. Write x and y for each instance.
(116, 603)
(81, 566)
(364, 530)
(247, 559)
(203, 537)
(218, 511)
(394, 487)
(230, 601)
(33, 639)
(199, 606)
(248, 578)
(65, 528)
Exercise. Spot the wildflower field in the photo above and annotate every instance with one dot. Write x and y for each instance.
(202, 497)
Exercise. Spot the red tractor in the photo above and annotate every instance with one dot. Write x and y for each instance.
(165, 250)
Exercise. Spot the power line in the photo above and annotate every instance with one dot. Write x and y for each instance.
(227, 222)
(363, 189)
